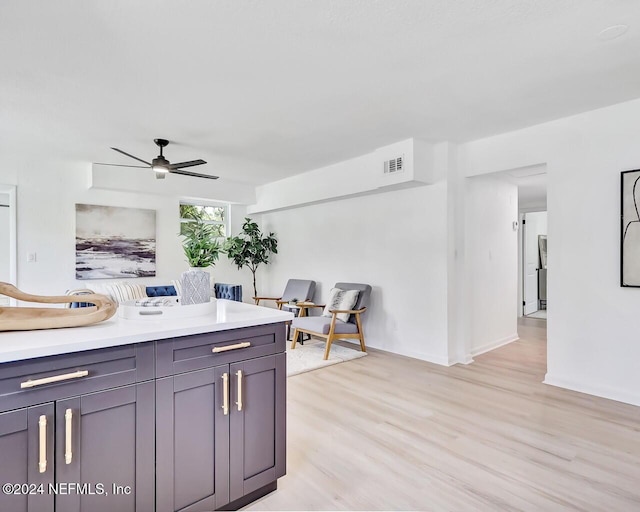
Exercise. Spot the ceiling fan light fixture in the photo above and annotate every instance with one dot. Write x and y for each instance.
(160, 164)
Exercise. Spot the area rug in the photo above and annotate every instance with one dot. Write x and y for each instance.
(309, 356)
(542, 313)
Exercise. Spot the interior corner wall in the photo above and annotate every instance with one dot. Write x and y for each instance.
(520, 297)
(47, 191)
(491, 262)
(593, 322)
(395, 241)
(592, 327)
(457, 298)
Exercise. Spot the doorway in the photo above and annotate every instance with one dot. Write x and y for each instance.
(534, 264)
(7, 239)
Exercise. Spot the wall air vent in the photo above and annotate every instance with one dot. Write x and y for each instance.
(394, 165)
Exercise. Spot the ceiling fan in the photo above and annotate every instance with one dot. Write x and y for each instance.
(161, 166)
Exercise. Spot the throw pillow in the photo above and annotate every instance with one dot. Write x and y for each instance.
(121, 292)
(341, 299)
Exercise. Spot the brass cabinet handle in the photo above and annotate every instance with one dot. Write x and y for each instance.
(244, 344)
(225, 393)
(42, 437)
(68, 417)
(239, 402)
(56, 378)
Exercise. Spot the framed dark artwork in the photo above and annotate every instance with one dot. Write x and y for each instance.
(630, 228)
(114, 242)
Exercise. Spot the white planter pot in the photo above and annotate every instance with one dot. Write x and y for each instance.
(196, 287)
(212, 281)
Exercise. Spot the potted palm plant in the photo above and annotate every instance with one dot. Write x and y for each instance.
(202, 251)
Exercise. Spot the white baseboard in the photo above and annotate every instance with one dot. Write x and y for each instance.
(465, 359)
(611, 393)
(423, 356)
(492, 345)
(430, 358)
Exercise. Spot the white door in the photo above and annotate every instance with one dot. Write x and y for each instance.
(530, 266)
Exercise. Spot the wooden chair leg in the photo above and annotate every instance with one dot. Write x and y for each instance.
(294, 339)
(362, 347)
(361, 333)
(330, 337)
(328, 347)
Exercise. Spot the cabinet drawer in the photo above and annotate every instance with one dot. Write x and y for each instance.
(188, 353)
(34, 381)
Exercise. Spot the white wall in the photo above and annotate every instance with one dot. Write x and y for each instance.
(410, 245)
(395, 241)
(458, 302)
(593, 323)
(5, 245)
(356, 176)
(491, 262)
(47, 193)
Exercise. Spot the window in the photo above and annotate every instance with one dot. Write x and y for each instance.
(215, 214)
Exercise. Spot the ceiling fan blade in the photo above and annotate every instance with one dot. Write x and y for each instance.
(122, 165)
(131, 156)
(190, 163)
(194, 174)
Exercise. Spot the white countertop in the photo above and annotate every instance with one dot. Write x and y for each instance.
(18, 345)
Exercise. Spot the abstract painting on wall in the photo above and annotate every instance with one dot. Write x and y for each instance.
(115, 242)
(630, 229)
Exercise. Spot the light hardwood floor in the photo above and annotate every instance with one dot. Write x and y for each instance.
(387, 432)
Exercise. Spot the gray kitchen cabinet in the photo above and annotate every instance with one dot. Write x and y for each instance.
(108, 415)
(190, 424)
(89, 443)
(192, 432)
(219, 442)
(105, 442)
(26, 458)
(258, 424)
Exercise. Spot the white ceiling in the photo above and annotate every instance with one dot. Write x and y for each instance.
(264, 90)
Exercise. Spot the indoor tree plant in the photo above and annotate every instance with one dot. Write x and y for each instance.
(202, 250)
(251, 248)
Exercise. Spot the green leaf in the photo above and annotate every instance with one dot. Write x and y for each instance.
(200, 245)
